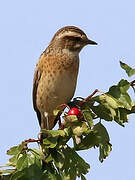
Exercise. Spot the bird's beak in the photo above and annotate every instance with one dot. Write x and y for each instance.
(91, 42)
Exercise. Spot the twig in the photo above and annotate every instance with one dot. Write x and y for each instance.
(132, 83)
(32, 140)
(63, 106)
(89, 97)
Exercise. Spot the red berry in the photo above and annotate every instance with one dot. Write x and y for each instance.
(75, 111)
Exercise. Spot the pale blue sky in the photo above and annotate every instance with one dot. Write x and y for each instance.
(26, 27)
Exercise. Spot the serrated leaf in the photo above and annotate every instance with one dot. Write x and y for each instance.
(63, 140)
(83, 177)
(18, 175)
(130, 71)
(54, 133)
(31, 173)
(77, 130)
(102, 112)
(49, 158)
(22, 162)
(74, 165)
(124, 85)
(36, 152)
(50, 142)
(25, 161)
(58, 158)
(88, 117)
(121, 116)
(108, 107)
(51, 173)
(12, 161)
(80, 128)
(108, 101)
(16, 149)
(37, 155)
(101, 130)
(120, 93)
(104, 146)
(13, 151)
(71, 119)
(105, 149)
(90, 140)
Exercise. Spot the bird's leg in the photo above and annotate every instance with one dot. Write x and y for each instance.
(61, 125)
(58, 119)
(47, 120)
(44, 125)
(61, 107)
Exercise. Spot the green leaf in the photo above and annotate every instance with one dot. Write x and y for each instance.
(74, 165)
(71, 119)
(83, 177)
(31, 173)
(50, 172)
(121, 116)
(13, 151)
(63, 140)
(25, 161)
(90, 140)
(54, 133)
(58, 158)
(119, 92)
(36, 152)
(130, 71)
(16, 149)
(88, 117)
(77, 130)
(104, 113)
(105, 149)
(108, 101)
(50, 142)
(80, 128)
(124, 85)
(49, 158)
(104, 146)
(132, 110)
(22, 162)
(12, 161)
(108, 107)
(37, 155)
(53, 137)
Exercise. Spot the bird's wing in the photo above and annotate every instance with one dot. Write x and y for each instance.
(37, 76)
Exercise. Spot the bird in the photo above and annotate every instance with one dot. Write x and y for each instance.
(56, 73)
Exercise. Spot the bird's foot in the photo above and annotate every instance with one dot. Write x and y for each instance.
(61, 125)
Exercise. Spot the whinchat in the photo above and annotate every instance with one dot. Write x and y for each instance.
(56, 73)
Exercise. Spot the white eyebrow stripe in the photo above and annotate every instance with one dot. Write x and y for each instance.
(69, 33)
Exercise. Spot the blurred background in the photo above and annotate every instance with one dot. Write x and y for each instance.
(26, 28)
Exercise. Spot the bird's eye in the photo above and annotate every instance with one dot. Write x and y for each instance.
(77, 38)
(73, 38)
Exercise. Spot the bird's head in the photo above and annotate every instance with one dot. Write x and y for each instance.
(71, 38)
